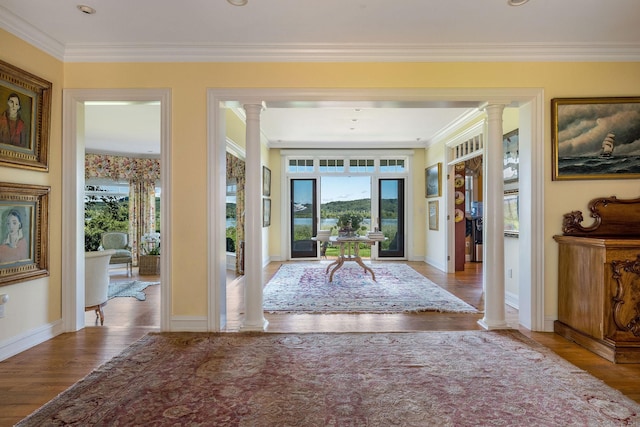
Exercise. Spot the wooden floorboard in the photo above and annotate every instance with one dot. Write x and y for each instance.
(35, 376)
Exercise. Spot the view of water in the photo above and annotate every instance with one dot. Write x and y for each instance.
(325, 223)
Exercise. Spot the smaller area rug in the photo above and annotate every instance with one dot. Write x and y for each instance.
(304, 287)
(133, 288)
(474, 378)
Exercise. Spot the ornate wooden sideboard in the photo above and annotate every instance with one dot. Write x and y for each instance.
(599, 279)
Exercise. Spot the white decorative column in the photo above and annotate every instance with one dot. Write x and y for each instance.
(253, 319)
(493, 223)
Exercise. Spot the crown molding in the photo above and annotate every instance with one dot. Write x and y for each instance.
(317, 52)
(300, 52)
(21, 29)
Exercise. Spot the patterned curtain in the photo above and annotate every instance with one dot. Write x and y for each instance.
(236, 169)
(142, 175)
(142, 213)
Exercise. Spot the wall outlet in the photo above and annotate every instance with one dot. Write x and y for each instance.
(510, 273)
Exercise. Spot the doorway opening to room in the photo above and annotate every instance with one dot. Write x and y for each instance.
(122, 210)
(115, 177)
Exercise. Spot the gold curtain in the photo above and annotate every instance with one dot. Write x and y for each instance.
(142, 174)
(236, 170)
(142, 213)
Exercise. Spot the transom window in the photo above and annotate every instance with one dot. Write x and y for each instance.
(347, 164)
(392, 165)
(331, 165)
(361, 165)
(300, 165)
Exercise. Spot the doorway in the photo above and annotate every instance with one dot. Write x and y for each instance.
(531, 105)
(74, 103)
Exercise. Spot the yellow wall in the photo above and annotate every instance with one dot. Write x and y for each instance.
(38, 301)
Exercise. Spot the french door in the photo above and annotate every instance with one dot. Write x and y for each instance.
(303, 218)
(391, 217)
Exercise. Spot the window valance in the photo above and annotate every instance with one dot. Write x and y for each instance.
(121, 168)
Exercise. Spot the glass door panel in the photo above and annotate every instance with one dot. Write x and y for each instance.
(303, 218)
(391, 217)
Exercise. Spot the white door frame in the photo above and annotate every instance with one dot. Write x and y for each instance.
(73, 197)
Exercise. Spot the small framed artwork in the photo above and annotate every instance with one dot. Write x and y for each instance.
(511, 218)
(266, 212)
(25, 116)
(433, 179)
(511, 161)
(24, 232)
(266, 181)
(595, 138)
(433, 215)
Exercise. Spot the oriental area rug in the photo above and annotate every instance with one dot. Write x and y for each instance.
(304, 287)
(471, 378)
(132, 288)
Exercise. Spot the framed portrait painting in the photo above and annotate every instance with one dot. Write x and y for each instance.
(595, 138)
(266, 212)
(266, 181)
(24, 232)
(433, 179)
(25, 116)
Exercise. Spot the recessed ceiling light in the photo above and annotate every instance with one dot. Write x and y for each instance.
(516, 2)
(238, 2)
(86, 9)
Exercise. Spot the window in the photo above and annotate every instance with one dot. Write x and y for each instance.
(300, 165)
(392, 165)
(361, 165)
(331, 165)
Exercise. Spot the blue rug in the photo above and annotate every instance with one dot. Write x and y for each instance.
(130, 289)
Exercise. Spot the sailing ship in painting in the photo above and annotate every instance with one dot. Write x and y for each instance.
(607, 145)
(602, 162)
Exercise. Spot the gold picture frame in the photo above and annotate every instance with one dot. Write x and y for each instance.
(433, 180)
(511, 213)
(266, 212)
(434, 213)
(25, 118)
(24, 232)
(595, 138)
(266, 181)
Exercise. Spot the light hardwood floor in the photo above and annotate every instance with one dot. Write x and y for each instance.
(35, 376)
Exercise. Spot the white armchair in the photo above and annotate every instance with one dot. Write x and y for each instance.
(96, 281)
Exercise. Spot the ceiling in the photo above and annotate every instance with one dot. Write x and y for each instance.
(318, 30)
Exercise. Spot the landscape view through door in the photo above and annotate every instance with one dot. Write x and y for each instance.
(340, 198)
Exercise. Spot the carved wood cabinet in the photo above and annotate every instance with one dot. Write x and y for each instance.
(599, 279)
(599, 295)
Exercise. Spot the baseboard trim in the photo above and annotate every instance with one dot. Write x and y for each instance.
(189, 324)
(19, 343)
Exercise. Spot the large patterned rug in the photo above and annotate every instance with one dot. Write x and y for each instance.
(473, 378)
(304, 287)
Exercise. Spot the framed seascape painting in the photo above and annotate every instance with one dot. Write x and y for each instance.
(433, 178)
(25, 116)
(24, 232)
(595, 138)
